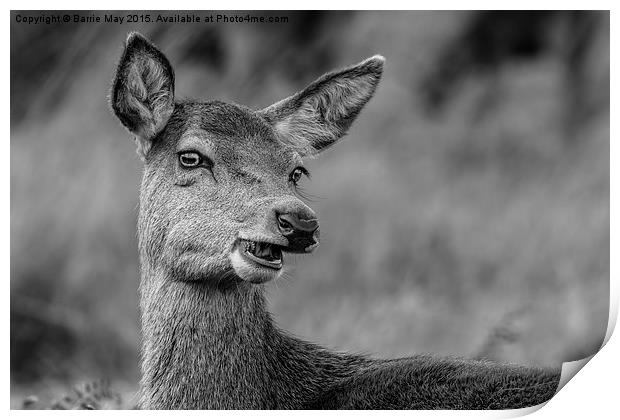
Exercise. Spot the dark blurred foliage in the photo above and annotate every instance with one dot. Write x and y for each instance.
(492, 39)
(466, 213)
(31, 58)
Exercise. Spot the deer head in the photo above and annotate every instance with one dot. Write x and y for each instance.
(218, 194)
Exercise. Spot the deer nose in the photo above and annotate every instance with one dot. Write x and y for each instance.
(301, 233)
(288, 223)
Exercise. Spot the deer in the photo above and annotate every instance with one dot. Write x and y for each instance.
(219, 219)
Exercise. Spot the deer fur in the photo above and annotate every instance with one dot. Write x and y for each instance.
(209, 341)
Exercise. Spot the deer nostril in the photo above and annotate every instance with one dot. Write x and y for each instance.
(289, 223)
(286, 228)
(309, 225)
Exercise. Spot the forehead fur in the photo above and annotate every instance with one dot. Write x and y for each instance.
(231, 121)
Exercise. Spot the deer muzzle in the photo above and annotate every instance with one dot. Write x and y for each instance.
(301, 233)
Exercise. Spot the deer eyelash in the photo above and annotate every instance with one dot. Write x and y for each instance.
(305, 171)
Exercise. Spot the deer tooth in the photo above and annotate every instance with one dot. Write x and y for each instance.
(263, 250)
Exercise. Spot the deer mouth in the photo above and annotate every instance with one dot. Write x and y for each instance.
(262, 253)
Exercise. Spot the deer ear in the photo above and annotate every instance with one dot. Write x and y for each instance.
(143, 90)
(313, 119)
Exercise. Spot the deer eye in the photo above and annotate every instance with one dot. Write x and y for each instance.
(295, 176)
(190, 159)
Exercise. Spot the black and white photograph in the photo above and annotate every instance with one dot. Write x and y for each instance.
(304, 210)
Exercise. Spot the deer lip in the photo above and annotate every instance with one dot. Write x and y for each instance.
(263, 253)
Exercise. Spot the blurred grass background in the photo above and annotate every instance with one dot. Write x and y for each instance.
(466, 213)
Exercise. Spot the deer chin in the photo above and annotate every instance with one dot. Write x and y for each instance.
(257, 261)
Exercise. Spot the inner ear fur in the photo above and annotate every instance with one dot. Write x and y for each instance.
(142, 94)
(313, 119)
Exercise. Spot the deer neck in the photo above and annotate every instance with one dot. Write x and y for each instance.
(203, 346)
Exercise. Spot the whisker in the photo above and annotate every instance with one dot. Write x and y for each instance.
(305, 195)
